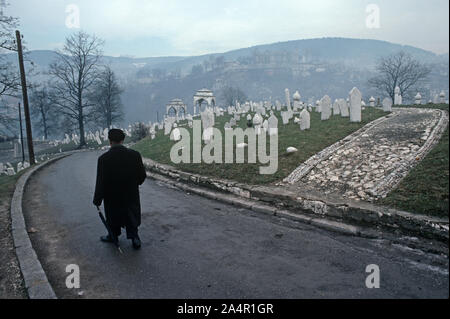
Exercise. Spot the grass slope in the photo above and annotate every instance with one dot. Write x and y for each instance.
(11, 282)
(321, 135)
(425, 189)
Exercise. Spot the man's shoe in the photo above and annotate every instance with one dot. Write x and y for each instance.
(136, 243)
(107, 239)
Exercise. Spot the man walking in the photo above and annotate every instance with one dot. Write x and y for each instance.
(120, 172)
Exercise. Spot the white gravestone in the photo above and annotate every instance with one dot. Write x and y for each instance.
(355, 105)
(176, 134)
(343, 107)
(318, 107)
(336, 108)
(278, 105)
(398, 98)
(387, 105)
(10, 171)
(288, 98)
(325, 103)
(167, 127)
(305, 120)
(257, 121)
(273, 125)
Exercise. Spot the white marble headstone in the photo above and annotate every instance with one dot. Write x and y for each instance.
(305, 120)
(398, 98)
(336, 108)
(273, 125)
(355, 105)
(387, 105)
(325, 103)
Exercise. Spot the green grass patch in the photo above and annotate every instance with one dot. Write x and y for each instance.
(321, 135)
(425, 189)
(7, 186)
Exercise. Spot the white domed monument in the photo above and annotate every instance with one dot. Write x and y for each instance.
(297, 102)
(418, 99)
(176, 109)
(204, 96)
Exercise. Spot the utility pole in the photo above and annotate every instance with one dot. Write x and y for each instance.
(25, 99)
(21, 135)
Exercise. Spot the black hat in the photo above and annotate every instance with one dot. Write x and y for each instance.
(116, 135)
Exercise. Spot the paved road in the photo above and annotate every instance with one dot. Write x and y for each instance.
(198, 248)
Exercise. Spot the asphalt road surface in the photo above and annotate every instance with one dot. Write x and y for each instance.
(199, 248)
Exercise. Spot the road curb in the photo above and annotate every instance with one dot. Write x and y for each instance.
(35, 279)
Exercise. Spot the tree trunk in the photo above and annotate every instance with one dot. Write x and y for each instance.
(44, 122)
(81, 125)
(109, 115)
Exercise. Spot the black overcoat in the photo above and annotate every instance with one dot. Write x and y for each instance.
(120, 172)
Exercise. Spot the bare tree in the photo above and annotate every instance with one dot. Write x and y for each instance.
(74, 74)
(401, 70)
(106, 99)
(43, 111)
(232, 95)
(9, 122)
(8, 26)
(9, 77)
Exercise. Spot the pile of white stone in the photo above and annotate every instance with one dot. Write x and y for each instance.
(8, 168)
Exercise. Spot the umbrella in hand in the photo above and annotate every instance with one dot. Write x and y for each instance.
(110, 233)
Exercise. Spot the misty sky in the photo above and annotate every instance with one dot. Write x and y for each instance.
(145, 28)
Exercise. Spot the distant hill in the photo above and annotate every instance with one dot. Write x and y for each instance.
(315, 67)
(359, 51)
